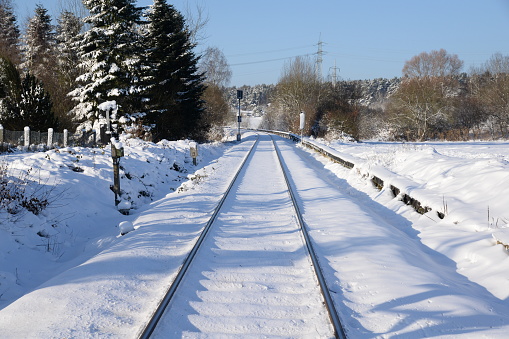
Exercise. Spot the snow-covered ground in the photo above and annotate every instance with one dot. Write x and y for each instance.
(71, 250)
(80, 219)
(252, 276)
(469, 182)
(386, 281)
(251, 121)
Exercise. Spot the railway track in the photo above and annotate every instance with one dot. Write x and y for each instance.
(253, 270)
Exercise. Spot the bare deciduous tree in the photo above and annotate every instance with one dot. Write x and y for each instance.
(490, 84)
(419, 108)
(423, 104)
(468, 116)
(196, 20)
(338, 115)
(298, 90)
(75, 7)
(216, 112)
(433, 64)
(215, 66)
(217, 76)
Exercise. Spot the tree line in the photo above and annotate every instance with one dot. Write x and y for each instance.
(434, 99)
(144, 59)
(141, 58)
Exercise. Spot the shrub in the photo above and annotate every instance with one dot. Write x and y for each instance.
(19, 193)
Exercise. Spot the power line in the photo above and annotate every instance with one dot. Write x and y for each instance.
(268, 60)
(363, 57)
(273, 51)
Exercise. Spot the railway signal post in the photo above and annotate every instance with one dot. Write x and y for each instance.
(117, 151)
(239, 118)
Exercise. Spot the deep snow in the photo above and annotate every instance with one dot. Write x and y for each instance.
(392, 283)
(468, 181)
(73, 247)
(81, 219)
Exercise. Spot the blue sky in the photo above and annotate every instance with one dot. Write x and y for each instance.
(365, 39)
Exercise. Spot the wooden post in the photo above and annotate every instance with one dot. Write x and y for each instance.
(116, 180)
(116, 174)
(116, 154)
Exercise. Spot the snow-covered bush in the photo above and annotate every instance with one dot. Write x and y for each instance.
(20, 192)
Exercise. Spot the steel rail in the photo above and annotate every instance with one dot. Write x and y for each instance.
(339, 331)
(157, 315)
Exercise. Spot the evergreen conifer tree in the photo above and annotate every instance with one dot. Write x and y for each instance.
(10, 93)
(39, 44)
(67, 66)
(67, 31)
(25, 101)
(174, 86)
(9, 32)
(110, 59)
(35, 106)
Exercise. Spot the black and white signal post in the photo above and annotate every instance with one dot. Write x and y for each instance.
(239, 117)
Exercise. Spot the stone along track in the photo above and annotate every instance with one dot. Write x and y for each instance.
(252, 272)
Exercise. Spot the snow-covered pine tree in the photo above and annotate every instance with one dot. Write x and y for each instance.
(39, 44)
(35, 106)
(10, 93)
(109, 53)
(174, 86)
(68, 28)
(9, 32)
(26, 102)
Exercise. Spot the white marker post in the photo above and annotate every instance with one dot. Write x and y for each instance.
(302, 124)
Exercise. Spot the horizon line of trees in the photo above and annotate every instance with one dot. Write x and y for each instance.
(433, 100)
(141, 58)
(144, 59)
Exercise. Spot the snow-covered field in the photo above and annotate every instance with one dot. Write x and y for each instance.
(468, 182)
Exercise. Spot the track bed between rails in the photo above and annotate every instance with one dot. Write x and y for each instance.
(252, 275)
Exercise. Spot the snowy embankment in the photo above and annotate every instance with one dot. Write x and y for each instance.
(66, 212)
(467, 182)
